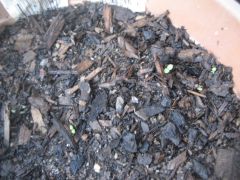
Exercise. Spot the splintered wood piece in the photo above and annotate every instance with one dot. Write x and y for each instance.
(6, 121)
(72, 90)
(83, 66)
(38, 119)
(61, 129)
(54, 30)
(107, 16)
(93, 74)
(158, 67)
(196, 93)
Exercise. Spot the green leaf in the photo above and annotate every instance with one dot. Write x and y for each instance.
(170, 67)
(166, 71)
(214, 69)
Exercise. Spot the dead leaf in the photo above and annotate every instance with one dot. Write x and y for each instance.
(24, 135)
(38, 119)
(128, 49)
(39, 103)
(107, 16)
(54, 30)
(177, 161)
(23, 42)
(227, 164)
(83, 66)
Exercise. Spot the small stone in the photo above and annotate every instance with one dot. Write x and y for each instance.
(115, 156)
(144, 159)
(170, 132)
(119, 104)
(145, 127)
(95, 126)
(178, 119)
(97, 168)
(200, 169)
(134, 100)
(129, 143)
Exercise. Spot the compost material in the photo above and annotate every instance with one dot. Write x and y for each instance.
(100, 92)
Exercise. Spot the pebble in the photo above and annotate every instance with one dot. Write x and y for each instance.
(129, 143)
(170, 132)
(134, 100)
(144, 159)
(119, 104)
(97, 168)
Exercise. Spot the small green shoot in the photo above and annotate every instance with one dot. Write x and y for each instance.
(168, 68)
(72, 129)
(199, 87)
(214, 69)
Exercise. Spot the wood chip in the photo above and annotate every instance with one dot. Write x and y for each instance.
(61, 129)
(83, 66)
(54, 30)
(187, 54)
(107, 16)
(29, 56)
(93, 74)
(177, 161)
(158, 67)
(38, 119)
(105, 123)
(109, 38)
(63, 49)
(72, 90)
(227, 164)
(6, 121)
(128, 49)
(196, 93)
(24, 135)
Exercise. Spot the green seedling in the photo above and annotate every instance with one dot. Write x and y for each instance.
(199, 87)
(214, 69)
(72, 129)
(168, 68)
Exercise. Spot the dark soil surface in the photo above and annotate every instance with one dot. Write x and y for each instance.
(99, 92)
